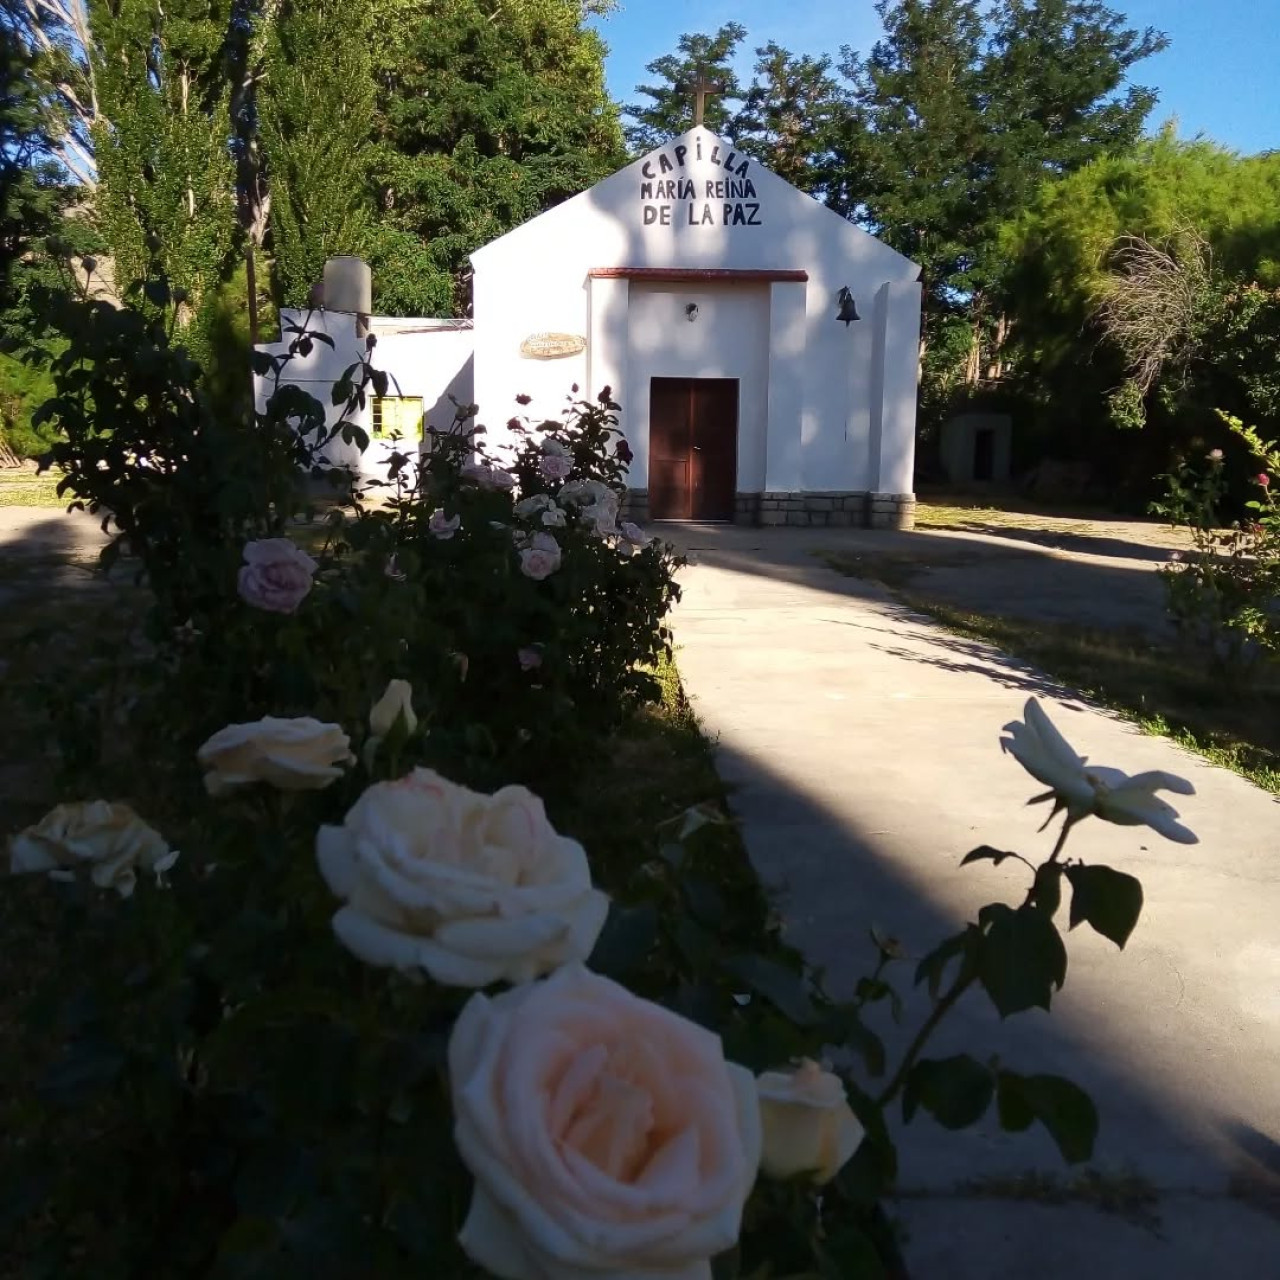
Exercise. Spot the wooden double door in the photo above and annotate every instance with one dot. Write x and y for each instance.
(693, 448)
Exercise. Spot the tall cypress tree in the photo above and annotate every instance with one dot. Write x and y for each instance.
(489, 112)
(166, 180)
(788, 116)
(315, 115)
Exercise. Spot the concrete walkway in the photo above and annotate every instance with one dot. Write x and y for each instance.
(861, 745)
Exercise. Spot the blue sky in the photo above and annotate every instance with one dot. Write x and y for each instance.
(1218, 77)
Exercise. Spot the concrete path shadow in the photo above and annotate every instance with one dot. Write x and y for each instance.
(860, 745)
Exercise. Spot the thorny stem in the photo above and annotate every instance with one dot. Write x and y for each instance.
(964, 980)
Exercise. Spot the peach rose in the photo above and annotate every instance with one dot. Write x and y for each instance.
(109, 839)
(607, 1135)
(471, 888)
(809, 1126)
(294, 755)
(276, 575)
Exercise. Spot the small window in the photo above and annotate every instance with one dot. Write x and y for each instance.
(397, 416)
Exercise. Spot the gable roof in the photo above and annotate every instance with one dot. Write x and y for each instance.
(616, 196)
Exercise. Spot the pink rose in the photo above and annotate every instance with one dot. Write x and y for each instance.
(530, 657)
(1215, 455)
(1264, 480)
(540, 557)
(276, 575)
(443, 528)
(607, 1136)
(553, 467)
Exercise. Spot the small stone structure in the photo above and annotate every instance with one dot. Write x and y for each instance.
(977, 448)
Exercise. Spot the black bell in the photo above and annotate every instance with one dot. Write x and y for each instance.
(848, 312)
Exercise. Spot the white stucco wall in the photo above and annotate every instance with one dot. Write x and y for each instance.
(427, 358)
(826, 389)
(728, 339)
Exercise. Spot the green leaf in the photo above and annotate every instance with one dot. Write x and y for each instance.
(955, 1091)
(985, 853)
(1021, 958)
(261, 362)
(786, 990)
(1064, 1109)
(1109, 900)
(379, 379)
(626, 940)
(933, 967)
(157, 291)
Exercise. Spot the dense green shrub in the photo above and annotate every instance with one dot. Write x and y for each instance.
(1224, 595)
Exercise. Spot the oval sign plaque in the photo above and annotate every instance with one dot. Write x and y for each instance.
(552, 346)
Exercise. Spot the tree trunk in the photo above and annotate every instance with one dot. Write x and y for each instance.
(251, 277)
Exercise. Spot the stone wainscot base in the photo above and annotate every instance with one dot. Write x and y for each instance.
(806, 510)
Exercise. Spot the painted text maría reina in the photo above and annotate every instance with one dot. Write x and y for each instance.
(732, 196)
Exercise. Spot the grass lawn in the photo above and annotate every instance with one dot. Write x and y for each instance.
(1164, 692)
(20, 487)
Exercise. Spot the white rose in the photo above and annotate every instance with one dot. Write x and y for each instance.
(634, 534)
(532, 505)
(472, 888)
(607, 1135)
(809, 1126)
(553, 518)
(1111, 794)
(276, 575)
(395, 702)
(540, 556)
(109, 839)
(552, 448)
(602, 516)
(586, 491)
(294, 755)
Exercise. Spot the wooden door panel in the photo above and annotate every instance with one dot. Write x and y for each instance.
(714, 441)
(669, 449)
(669, 489)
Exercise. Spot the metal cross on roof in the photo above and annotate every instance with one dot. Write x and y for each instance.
(702, 87)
